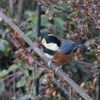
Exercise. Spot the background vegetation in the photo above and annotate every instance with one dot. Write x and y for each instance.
(20, 77)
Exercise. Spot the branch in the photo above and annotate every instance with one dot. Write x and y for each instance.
(65, 90)
(14, 74)
(83, 62)
(60, 72)
(19, 9)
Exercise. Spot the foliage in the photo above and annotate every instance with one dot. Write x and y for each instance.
(77, 20)
(4, 96)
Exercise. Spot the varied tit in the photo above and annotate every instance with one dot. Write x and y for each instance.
(57, 50)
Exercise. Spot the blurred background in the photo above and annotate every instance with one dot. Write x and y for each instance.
(77, 20)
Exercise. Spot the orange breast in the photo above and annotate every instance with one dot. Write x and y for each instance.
(61, 58)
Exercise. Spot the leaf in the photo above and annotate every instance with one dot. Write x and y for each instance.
(55, 10)
(31, 34)
(86, 77)
(28, 14)
(44, 20)
(63, 6)
(34, 16)
(13, 67)
(19, 62)
(1, 31)
(37, 73)
(26, 73)
(58, 22)
(2, 75)
(24, 64)
(21, 83)
(5, 72)
(2, 87)
(75, 69)
(26, 97)
(4, 47)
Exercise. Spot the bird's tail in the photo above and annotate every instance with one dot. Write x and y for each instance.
(80, 46)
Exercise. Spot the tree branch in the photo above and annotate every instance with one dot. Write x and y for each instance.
(19, 9)
(65, 90)
(60, 72)
(14, 74)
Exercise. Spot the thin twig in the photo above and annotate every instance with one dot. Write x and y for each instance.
(14, 74)
(65, 90)
(83, 62)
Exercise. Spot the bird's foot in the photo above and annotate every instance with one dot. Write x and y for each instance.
(49, 63)
(57, 68)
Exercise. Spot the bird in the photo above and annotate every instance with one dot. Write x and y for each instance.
(57, 50)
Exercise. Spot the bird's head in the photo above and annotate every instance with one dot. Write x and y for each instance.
(51, 42)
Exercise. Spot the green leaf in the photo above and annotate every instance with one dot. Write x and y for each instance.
(4, 47)
(2, 75)
(44, 20)
(24, 64)
(55, 10)
(28, 14)
(33, 15)
(26, 97)
(63, 6)
(21, 83)
(75, 69)
(5, 72)
(1, 31)
(31, 34)
(19, 62)
(86, 77)
(58, 22)
(2, 87)
(26, 73)
(37, 73)
(13, 67)
(44, 8)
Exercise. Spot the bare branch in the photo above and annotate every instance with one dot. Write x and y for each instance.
(65, 90)
(19, 8)
(14, 74)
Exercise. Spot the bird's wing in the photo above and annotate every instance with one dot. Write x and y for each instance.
(68, 45)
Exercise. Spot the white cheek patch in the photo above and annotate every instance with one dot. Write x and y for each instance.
(48, 56)
(51, 46)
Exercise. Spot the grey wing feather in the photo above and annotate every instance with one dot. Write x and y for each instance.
(68, 45)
